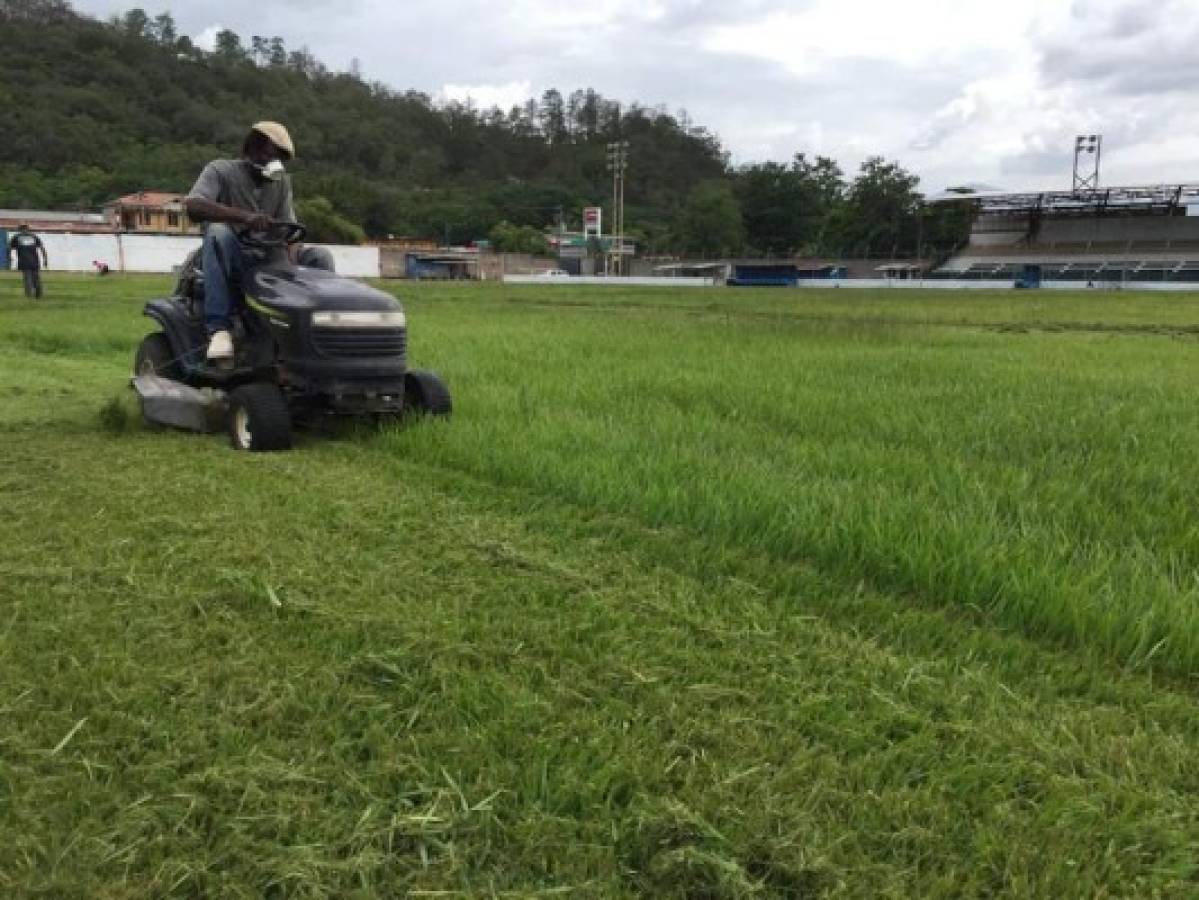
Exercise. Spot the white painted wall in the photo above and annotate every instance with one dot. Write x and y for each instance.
(611, 282)
(356, 262)
(75, 252)
(154, 252)
(163, 253)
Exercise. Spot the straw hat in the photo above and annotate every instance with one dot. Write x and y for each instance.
(277, 135)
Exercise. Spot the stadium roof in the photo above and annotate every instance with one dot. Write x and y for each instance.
(1161, 198)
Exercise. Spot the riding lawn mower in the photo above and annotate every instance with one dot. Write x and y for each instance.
(309, 344)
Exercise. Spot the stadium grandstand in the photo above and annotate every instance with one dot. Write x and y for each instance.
(1105, 236)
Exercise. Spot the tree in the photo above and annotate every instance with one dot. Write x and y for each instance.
(36, 11)
(303, 61)
(946, 226)
(136, 23)
(277, 53)
(709, 222)
(325, 225)
(259, 50)
(787, 208)
(881, 211)
(587, 113)
(552, 116)
(508, 238)
(228, 46)
(163, 30)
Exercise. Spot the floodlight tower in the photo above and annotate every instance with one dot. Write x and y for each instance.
(618, 162)
(1087, 178)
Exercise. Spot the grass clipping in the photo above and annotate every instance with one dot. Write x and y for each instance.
(119, 415)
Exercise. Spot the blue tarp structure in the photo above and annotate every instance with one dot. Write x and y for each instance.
(766, 274)
(439, 266)
(1030, 277)
(421, 268)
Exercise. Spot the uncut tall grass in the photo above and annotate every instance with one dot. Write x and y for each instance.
(1042, 478)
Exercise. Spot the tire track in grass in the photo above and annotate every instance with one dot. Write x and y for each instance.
(888, 616)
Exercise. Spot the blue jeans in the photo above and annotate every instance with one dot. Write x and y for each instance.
(227, 265)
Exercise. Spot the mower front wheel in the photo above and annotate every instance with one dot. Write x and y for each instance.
(425, 394)
(155, 357)
(259, 420)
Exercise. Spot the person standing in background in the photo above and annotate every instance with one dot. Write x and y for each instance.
(27, 245)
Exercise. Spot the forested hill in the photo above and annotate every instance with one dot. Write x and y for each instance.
(93, 110)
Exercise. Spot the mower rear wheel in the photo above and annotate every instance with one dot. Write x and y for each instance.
(425, 394)
(259, 420)
(155, 357)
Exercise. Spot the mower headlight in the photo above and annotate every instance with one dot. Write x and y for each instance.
(393, 319)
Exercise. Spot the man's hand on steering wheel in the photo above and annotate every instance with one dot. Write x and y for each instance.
(259, 222)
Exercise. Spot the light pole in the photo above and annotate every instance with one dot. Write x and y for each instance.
(1086, 178)
(618, 161)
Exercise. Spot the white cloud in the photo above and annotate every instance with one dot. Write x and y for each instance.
(206, 39)
(485, 96)
(918, 33)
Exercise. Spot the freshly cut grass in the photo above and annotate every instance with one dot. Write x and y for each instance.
(720, 633)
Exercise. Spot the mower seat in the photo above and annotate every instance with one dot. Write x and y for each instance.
(190, 286)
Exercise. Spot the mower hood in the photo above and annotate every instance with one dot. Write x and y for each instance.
(297, 288)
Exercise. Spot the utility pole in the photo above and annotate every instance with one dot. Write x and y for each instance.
(618, 161)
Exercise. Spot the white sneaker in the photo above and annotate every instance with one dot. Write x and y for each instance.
(220, 347)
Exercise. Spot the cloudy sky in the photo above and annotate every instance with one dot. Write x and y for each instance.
(956, 90)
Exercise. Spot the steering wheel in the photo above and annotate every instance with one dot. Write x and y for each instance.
(279, 234)
(293, 232)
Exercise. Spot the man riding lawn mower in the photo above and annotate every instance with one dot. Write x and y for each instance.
(270, 339)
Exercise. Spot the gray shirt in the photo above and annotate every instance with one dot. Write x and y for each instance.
(232, 182)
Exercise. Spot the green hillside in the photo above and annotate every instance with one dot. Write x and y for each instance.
(97, 109)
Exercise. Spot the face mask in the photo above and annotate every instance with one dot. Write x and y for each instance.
(272, 171)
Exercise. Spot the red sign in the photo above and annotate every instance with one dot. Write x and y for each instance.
(592, 219)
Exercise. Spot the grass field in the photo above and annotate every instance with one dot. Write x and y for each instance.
(699, 594)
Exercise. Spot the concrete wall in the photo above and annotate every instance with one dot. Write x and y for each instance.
(992, 231)
(965, 284)
(163, 253)
(392, 262)
(1119, 229)
(498, 266)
